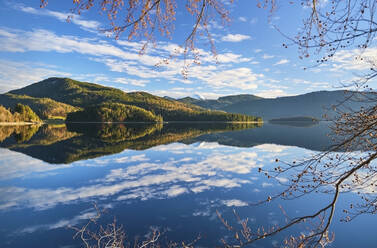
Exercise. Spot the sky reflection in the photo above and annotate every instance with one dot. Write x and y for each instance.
(156, 173)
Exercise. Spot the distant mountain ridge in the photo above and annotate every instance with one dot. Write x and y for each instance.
(314, 104)
(221, 102)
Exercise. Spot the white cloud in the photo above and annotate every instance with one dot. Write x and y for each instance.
(242, 78)
(242, 19)
(135, 82)
(266, 56)
(63, 17)
(234, 203)
(272, 93)
(351, 59)
(310, 85)
(231, 57)
(282, 62)
(235, 37)
(175, 191)
(63, 223)
(265, 185)
(271, 148)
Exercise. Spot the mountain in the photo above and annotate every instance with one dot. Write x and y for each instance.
(314, 104)
(221, 102)
(84, 95)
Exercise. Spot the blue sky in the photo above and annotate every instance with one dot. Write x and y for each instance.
(39, 43)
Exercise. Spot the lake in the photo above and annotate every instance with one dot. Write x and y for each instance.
(176, 178)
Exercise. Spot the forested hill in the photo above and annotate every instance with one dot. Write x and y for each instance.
(314, 104)
(86, 95)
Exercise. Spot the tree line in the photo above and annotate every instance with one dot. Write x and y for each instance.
(20, 113)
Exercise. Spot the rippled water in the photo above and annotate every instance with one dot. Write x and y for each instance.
(172, 177)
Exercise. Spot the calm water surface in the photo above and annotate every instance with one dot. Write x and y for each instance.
(172, 177)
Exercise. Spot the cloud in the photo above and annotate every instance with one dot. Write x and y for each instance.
(175, 191)
(231, 57)
(266, 56)
(271, 148)
(63, 223)
(242, 19)
(310, 85)
(282, 62)
(63, 17)
(351, 59)
(242, 78)
(272, 93)
(235, 203)
(135, 82)
(235, 37)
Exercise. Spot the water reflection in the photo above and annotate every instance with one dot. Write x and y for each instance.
(66, 144)
(173, 177)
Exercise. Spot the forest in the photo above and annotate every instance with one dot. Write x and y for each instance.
(20, 113)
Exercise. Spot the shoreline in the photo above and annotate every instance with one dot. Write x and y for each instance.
(127, 122)
(19, 123)
(164, 122)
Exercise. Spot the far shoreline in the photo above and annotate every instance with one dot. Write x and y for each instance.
(20, 123)
(164, 122)
(124, 122)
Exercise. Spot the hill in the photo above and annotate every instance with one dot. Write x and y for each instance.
(315, 104)
(84, 95)
(221, 102)
(44, 107)
(113, 112)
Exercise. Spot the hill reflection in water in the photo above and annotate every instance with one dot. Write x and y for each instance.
(72, 142)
